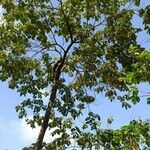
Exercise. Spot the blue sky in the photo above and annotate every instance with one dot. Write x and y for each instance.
(15, 134)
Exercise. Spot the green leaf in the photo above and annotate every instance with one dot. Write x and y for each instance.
(148, 100)
(58, 55)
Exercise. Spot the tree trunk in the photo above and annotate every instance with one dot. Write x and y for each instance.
(57, 72)
(44, 126)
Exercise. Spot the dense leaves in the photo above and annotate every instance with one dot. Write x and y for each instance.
(56, 53)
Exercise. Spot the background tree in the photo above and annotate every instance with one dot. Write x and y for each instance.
(63, 51)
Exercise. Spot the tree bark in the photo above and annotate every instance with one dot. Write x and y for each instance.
(57, 72)
(46, 118)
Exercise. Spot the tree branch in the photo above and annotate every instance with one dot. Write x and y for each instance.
(59, 65)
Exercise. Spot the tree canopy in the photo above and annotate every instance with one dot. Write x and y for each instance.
(63, 51)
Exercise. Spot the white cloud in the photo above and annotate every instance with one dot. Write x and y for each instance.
(27, 134)
(24, 131)
(17, 133)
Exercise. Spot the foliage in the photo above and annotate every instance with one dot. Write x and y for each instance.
(63, 50)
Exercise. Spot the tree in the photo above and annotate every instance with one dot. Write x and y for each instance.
(64, 49)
